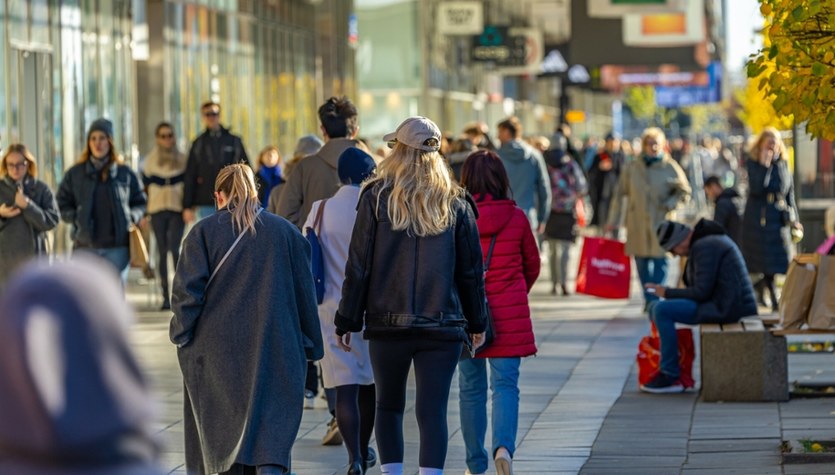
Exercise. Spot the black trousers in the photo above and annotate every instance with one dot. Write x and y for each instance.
(168, 229)
(435, 363)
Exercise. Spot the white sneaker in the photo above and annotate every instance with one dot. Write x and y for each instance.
(504, 462)
(309, 400)
(468, 472)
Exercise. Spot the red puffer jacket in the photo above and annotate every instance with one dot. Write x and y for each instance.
(513, 270)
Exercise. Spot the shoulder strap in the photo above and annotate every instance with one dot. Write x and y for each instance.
(231, 248)
(490, 253)
(317, 221)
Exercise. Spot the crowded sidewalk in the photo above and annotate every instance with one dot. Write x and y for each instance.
(580, 412)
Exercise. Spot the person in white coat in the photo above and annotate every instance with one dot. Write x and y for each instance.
(346, 365)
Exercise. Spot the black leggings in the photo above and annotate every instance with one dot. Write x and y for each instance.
(435, 363)
(355, 418)
(767, 283)
(168, 231)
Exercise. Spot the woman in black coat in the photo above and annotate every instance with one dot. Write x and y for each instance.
(101, 197)
(27, 210)
(414, 282)
(770, 213)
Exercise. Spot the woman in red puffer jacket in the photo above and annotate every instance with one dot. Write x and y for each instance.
(513, 269)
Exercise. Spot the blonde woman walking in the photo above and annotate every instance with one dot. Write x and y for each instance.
(653, 186)
(245, 324)
(414, 281)
(770, 213)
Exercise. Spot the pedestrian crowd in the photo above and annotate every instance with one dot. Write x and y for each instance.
(428, 249)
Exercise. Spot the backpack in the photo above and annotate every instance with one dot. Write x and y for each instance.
(317, 258)
(563, 188)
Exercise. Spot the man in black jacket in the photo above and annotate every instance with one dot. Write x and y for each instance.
(210, 152)
(727, 207)
(717, 290)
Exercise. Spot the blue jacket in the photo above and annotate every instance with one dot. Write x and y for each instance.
(75, 200)
(716, 277)
(529, 181)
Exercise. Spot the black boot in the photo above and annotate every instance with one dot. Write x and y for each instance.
(166, 300)
(355, 468)
(759, 289)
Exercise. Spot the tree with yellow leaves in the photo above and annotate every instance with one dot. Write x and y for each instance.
(756, 109)
(796, 67)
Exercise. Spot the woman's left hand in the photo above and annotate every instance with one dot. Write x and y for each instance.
(344, 341)
(20, 199)
(477, 339)
(797, 225)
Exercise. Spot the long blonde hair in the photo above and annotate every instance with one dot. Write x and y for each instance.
(238, 184)
(422, 190)
(754, 151)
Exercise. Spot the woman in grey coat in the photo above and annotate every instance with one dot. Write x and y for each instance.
(245, 323)
(27, 210)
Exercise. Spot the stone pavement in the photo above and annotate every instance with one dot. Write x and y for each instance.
(580, 411)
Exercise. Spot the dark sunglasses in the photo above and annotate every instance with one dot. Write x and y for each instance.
(17, 166)
(166, 136)
(211, 114)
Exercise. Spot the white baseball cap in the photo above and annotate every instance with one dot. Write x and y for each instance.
(417, 132)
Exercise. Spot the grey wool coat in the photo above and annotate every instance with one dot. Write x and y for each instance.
(243, 342)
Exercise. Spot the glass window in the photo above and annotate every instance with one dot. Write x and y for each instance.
(18, 20)
(89, 57)
(39, 10)
(4, 94)
(72, 95)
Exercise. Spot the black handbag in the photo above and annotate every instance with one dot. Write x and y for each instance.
(489, 331)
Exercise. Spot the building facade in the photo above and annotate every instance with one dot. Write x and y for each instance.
(64, 63)
(406, 66)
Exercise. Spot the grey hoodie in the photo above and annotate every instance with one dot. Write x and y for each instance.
(528, 180)
(72, 397)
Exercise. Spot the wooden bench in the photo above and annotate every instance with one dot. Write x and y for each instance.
(743, 362)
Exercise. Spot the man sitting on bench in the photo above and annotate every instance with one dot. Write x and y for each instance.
(717, 290)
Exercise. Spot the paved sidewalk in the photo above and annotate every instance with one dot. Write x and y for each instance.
(580, 409)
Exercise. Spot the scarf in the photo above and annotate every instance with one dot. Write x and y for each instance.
(649, 161)
(271, 175)
(100, 163)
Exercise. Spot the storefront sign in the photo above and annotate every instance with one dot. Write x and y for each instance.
(619, 8)
(460, 18)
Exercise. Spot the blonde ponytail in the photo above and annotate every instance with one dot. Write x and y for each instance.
(238, 184)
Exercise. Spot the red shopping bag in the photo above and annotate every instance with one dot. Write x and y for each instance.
(649, 356)
(604, 269)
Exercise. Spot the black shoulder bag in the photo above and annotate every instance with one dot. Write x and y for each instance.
(489, 331)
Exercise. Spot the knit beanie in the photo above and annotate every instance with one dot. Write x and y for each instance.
(671, 234)
(101, 125)
(354, 166)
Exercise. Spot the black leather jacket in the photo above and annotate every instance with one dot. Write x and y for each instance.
(207, 156)
(75, 200)
(404, 286)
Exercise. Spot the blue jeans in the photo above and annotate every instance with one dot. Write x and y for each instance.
(119, 257)
(472, 400)
(665, 314)
(651, 270)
